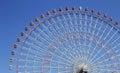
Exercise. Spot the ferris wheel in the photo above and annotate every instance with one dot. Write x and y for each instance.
(68, 41)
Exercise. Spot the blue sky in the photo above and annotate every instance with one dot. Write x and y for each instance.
(16, 14)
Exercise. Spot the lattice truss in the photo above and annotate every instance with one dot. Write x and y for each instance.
(68, 41)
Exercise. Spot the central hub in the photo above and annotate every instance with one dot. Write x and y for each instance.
(83, 69)
(82, 66)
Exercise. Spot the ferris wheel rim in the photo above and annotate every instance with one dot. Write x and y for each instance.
(111, 23)
(64, 13)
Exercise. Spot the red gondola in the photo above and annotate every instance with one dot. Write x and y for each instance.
(98, 13)
(36, 19)
(67, 8)
(31, 23)
(22, 34)
(60, 9)
(42, 16)
(13, 53)
(15, 46)
(110, 19)
(86, 9)
(26, 28)
(92, 11)
(48, 13)
(54, 11)
(73, 8)
(18, 39)
(105, 16)
(116, 23)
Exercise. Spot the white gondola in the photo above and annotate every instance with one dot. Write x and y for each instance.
(10, 67)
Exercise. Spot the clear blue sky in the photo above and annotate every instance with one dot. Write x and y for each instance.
(16, 14)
